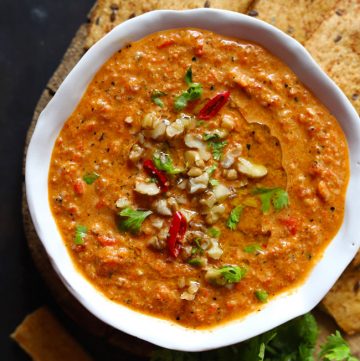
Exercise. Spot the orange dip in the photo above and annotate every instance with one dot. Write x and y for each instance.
(197, 178)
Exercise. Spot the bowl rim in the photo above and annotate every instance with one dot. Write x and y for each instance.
(281, 308)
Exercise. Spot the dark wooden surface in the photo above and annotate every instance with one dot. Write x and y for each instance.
(33, 38)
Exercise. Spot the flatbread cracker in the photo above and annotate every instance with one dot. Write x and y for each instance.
(336, 47)
(108, 13)
(44, 339)
(298, 18)
(343, 301)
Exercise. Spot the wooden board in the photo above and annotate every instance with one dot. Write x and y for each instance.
(70, 305)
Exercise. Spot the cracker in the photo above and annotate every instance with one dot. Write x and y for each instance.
(44, 339)
(298, 18)
(343, 301)
(108, 13)
(336, 47)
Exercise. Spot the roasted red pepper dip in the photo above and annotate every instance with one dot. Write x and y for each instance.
(197, 178)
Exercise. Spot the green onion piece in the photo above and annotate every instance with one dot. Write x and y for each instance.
(155, 97)
(252, 248)
(214, 182)
(188, 76)
(210, 170)
(225, 275)
(80, 234)
(196, 262)
(262, 295)
(214, 232)
(90, 178)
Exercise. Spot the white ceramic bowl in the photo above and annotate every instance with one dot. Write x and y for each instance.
(165, 333)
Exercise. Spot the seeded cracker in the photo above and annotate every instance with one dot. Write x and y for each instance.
(336, 47)
(108, 13)
(298, 18)
(44, 339)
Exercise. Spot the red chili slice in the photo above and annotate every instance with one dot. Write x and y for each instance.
(160, 176)
(176, 233)
(213, 106)
(166, 43)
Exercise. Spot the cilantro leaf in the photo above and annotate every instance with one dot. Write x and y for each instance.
(277, 196)
(193, 92)
(234, 217)
(80, 234)
(292, 341)
(217, 148)
(261, 295)
(197, 249)
(164, 162)
(336, 349)
(131, 220)
(252, 248)
(155, 97)
(214, 232)
(90, 178)
(211, 136)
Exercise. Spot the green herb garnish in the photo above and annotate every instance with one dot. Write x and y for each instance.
(261, 295)
(225, 275)
(210, 170)
(155, 97)
(90, 178)
(192, 93)
(131, 220)
(214, 232)
(80, 234)
(196, 262)
(215, 143)
(217, 148)
(211, 136)
(197, 248)
(252, 248)
(234, 217)
(336, 349)
(292, 341)
(214, 182)
(188, 76)
(277, 196)
(164, 162)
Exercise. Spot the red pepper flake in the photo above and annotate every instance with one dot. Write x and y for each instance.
(79, 186)
(166, 43)
(78, 248)
(213, 106)
(100, 204)
(291, 224)
(176, 233)
(160, 176)
(106, 241)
